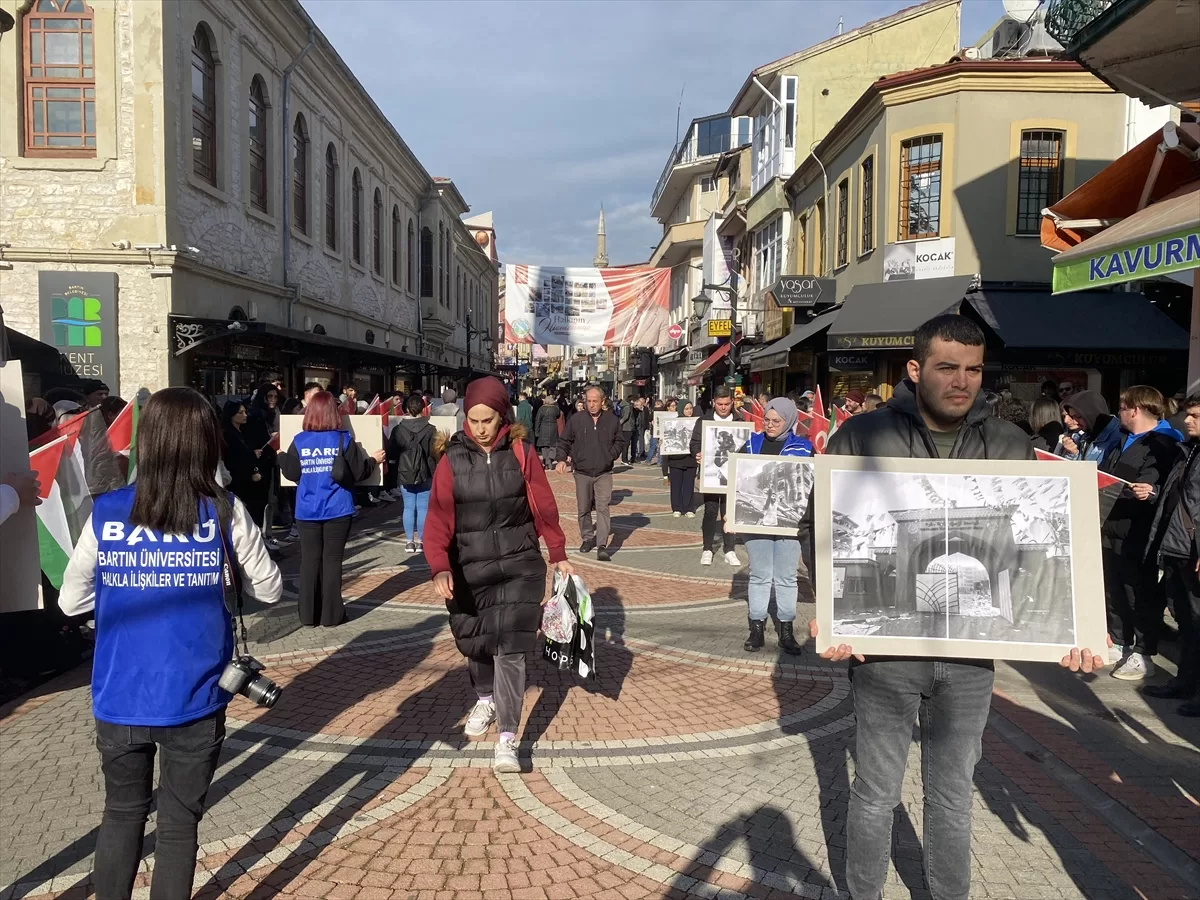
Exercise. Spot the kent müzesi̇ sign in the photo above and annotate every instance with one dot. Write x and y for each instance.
(1159, 256)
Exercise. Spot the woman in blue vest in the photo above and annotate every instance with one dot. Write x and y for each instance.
(323, 506)
(774, 559)
(149, 563)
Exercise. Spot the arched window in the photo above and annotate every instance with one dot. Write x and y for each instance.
(300, 175)
(412, 238)
(377, 233)
(60, 79)
(258, 144)
(396, 245)
(331, 171)
(204, 107)
(356, 190)
(443, 284)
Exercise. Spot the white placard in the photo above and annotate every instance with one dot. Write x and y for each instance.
(718, 442)
(367, 430)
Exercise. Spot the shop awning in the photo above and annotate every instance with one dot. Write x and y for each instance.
(713, 358)
(672, 356)
(1090, 320)
(1158, 240)
(884, 315)
(775, 356)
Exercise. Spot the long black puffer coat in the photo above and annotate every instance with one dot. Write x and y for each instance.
(499, 571)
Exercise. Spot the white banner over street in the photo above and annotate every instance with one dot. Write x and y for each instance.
(626, 307)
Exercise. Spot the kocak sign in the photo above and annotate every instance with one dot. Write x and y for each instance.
(801, 291)
(916, 260)
(79, 317)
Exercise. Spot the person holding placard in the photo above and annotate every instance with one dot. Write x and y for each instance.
(774, 559)
(681, 472)
(714, 504)
(938, 411)
(325, 462)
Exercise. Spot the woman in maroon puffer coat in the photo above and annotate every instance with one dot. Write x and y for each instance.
(489, 505)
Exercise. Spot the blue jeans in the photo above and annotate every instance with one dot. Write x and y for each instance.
(416, 504)
(952, 702)
(652, 453)
(773, 562)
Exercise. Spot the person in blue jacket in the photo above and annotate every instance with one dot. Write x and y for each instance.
(324, 508)
(775, 559)
(149, 562)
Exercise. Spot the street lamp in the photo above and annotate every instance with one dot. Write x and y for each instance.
(485, 334)
(702, 302)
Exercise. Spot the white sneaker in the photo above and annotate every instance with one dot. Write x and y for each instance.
(505, 759)
(483, 714)
(689, 515)
(1137, 667)
(706, 558)
(676, 514)
(731, 559)
(1116, 654)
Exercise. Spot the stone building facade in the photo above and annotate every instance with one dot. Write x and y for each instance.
(262, 215)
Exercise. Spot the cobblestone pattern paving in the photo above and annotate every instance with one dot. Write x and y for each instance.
(689, 769)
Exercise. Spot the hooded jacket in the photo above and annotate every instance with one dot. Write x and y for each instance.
(897, 429)
(1102, 431)
(1169, 531)
(486, 513)
(412, 447)
(1147, 459)
(545, 425)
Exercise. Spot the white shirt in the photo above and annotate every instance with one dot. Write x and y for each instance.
(728, 418)
(261, 580)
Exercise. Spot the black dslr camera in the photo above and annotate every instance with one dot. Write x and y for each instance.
(241, 677)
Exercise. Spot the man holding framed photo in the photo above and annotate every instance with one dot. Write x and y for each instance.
(714, 504)
(938, 411)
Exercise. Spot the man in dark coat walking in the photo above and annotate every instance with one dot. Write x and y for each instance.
(938, 411)
(592, 440)
(545, 430)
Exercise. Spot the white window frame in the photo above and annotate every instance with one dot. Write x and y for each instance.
(767, 244)
(774, 152)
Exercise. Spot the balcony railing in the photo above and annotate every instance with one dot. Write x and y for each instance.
(705, 138)
(1066, 18)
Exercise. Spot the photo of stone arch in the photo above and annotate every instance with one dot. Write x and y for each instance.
(953, 557)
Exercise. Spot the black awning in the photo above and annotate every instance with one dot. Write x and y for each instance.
(1088, 320)
(884, 315)
(775, 356)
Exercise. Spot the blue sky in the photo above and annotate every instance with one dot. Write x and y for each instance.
(540, 111)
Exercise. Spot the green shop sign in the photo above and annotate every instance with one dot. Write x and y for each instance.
(1158, 256)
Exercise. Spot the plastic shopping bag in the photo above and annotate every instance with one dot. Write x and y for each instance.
(577, 652)
(559, 618)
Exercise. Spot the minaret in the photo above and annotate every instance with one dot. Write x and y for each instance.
(601, 260)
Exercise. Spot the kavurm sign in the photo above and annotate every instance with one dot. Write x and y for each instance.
(626, 307)
(1176, 252)
(78, 313)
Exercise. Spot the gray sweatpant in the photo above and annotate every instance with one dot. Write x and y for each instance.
(503, 679)
(593, 491)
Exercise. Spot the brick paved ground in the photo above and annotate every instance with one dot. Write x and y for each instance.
(688, 769)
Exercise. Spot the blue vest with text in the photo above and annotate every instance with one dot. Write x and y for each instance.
(318, 497)
(163, 633)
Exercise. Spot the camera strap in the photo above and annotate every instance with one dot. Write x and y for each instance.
(231, 581)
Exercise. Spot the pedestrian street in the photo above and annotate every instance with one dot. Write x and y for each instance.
(688, 769)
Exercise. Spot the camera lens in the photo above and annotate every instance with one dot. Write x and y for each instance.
(263, 691)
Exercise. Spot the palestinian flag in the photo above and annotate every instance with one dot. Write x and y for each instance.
(754, 413)
(122, 436)
(54, 532)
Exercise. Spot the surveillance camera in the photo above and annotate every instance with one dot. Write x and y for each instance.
(194, 251)
(121, 245)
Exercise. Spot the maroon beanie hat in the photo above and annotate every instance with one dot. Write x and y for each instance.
(857, 396)
(489, 392)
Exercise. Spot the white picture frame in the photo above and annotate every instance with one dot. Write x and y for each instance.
(367, 430)
(676, 436)
(661, 415)
(719, 442)
(978, 559)
(768, 495)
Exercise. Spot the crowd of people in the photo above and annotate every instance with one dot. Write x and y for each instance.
(478, 504)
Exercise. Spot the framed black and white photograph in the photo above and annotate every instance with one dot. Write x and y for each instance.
(768, 494)
(675, 435)
(718, 442)
(958, 558)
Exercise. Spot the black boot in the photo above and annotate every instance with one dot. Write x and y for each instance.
(787, 640)
(755, 641)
